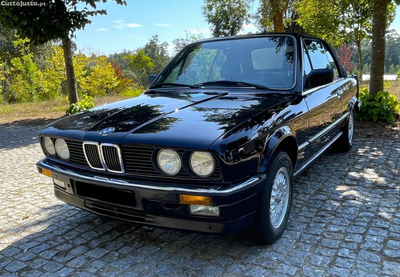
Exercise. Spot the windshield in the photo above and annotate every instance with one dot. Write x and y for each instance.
(263, 61)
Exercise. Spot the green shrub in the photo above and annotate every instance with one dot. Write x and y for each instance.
(384, 106)
(86, 103)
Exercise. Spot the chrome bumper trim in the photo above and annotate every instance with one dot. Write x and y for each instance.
(97, 179)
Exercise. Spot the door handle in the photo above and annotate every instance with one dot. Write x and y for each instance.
(339, 93)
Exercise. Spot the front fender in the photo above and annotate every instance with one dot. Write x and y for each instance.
(282, 138)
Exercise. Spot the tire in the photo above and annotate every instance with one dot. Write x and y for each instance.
(345, 141)
(269, 226)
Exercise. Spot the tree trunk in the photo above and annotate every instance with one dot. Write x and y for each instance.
(378, 46)
(360, 60)
(69, 68)
(278, 22)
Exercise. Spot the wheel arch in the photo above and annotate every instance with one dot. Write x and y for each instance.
(282, 139)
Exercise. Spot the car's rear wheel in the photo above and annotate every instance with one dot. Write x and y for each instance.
(276, 198)
(345, 142)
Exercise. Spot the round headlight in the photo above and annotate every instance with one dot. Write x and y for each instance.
(49, 146)
(168, 161)
(62, 149)
(202, 163)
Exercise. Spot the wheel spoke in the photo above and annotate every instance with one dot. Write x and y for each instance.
(279, 200)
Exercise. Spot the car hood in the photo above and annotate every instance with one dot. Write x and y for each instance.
(193, 119)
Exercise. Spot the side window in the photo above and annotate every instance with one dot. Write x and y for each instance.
(333, 65)
(320, 57)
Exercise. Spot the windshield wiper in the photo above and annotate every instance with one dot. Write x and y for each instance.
(173, 85)
(227, 82)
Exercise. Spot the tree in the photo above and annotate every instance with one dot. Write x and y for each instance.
(271, 14)
(25, 83)
(101, 78)
(378, 44)
(392, 49)
(120, 60)
(57, 19)
(141, 65)
(338, 22)
(181, 43)
(344, 55)
(227, 17)
(158, 53)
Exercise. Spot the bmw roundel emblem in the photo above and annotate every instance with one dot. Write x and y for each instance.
(107, 131)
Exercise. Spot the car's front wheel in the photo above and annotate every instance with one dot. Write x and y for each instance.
(276, 198)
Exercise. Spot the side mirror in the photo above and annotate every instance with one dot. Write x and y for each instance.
(319, 77)
(151, 79)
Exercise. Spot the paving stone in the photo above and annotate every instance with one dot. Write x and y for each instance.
(321, 261)
(391, 268)
(369, 256)
(14, 266)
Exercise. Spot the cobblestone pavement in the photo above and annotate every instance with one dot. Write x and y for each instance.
(345, 222)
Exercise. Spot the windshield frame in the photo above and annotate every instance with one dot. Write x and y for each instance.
(185, 49)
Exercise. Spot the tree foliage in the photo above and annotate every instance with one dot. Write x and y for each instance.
(338, 21)
(181, 43)
(25, 77)
(26, 82)
(272, 14)
(226, 17)
(142, 65)
(53, 20)
(158, 53)
(344, 55)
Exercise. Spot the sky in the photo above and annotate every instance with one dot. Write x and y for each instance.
(132, 26)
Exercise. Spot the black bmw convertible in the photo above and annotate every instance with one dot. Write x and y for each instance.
(214, 144)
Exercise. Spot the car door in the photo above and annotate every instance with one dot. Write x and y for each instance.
(324, 102)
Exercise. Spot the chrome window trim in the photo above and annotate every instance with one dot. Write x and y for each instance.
(119, 157)
(98, 152)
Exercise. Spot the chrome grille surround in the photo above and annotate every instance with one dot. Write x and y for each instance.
(91, 150)
(103, 156)
(112, 158)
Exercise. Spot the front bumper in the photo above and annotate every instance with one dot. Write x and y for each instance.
(156, 204)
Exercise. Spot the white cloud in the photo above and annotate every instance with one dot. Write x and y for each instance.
(249, 26)
(198, 31)
(101, 30)
(133, 25)
(121, 24)
(162, 25)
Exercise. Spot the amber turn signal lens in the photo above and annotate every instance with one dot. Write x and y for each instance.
(46, 172)
(195, 200)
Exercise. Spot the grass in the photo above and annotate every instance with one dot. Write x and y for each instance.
(36, 113)
(391, 86)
